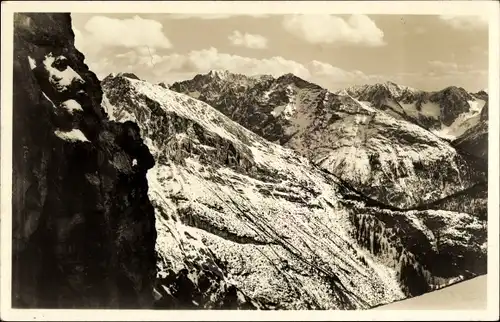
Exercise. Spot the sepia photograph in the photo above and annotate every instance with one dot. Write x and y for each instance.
(269, 157)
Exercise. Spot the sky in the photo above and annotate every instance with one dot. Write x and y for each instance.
(428, 52)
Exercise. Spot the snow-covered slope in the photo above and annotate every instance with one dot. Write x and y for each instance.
(243, 222)
(468, 295)
(369, 141)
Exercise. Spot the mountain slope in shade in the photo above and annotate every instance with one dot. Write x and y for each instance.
(372, 146)
(243, 222)
(475, 139)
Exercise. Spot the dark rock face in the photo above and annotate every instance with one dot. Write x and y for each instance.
(473, 201)
(83, 226)
(475, 140)
(484, 112)
(421, 264)
(452, 101)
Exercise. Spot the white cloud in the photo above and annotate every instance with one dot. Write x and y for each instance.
(208, 59)
(440, 69)
(248, 40)
(324, 69)
(465, 22)
(212, 16)
(135, 32)
(357, 29)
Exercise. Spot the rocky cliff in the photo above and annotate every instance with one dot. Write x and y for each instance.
(246, 223)
(83, 225)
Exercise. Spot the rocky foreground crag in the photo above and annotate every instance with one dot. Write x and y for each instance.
(83, 225)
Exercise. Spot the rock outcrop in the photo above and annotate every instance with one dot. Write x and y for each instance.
(83, 225)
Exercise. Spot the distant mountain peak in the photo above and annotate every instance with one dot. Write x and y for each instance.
(122, 74)
(129, 75)
(290, 78)
(454, 88)
(219, 73)
(380, 90)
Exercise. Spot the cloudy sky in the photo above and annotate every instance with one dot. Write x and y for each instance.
(334, 51)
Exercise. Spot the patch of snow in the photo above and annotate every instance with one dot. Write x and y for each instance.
(74, 135)
(265, 95)
(108, 107)
(395, 106)
(123, 116)
(60, 79)
(365, 104)
(194, 94)
(463, 122)
(428, 109)
(289, 108)
(477, 105)
(48, 98)
(349, 162)
(219, 73)
(71, 106)
(410, 109)
(32, 63)
(431, 109)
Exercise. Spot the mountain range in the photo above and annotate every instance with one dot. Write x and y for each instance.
(308, 238)
(362, 134)
(235, 192)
